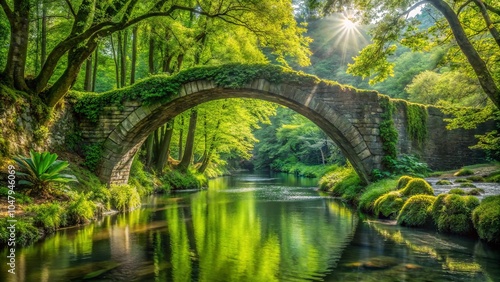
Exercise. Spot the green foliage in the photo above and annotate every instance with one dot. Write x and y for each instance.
(409, 164)
(457, 191)
(42, 170)
(40, 134)
(464, 172)
(21, 198)
(177, 180)
(388, 133)
(374, 191)
(140, 178)
(486, 219)
(417, 186)
(49, 216)
(416, 115)
(389, 204)
(403, 181)
(162, 88)
(80, 209)
(342, 182)
(26, 233)
(124, 197)
(452, 213)
(93, 155)
(443, 182)
(415, 211)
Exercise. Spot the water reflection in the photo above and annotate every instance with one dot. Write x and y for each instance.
(245, 228)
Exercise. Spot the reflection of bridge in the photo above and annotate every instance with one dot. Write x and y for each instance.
(352, 118)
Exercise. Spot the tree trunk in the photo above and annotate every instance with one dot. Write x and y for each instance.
(181, 136)
(485, 79)
(123, 58)
(18, 48)
(134, 55)
(87, 85)
(96, 64)
(151, 57)
(165, 146)
(117, 72)
(188, 151)
(149, 150)
(43, 55)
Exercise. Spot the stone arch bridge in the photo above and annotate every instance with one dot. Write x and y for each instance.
(352, 118)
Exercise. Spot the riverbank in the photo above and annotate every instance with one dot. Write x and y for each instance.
(413, 202)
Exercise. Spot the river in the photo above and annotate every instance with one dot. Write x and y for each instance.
(251, 227)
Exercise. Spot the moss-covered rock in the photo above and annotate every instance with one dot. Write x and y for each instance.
(417, 186)
(462, 180)
(457, 191)
(403, 181)
(415, 211)
(467, 185)
(452, 213)
(486, 219)
(475, 192)
(443, 182)
(476, 178)
(388, 205)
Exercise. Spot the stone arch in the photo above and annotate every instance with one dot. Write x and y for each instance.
(320, 104)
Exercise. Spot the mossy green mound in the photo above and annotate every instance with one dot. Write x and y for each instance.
(486, 219)
(476, 178)
(452, 213)
(417, 186)
(443, 182)
(415, 211)
(373, 192)
(457, 191)
(467, 185)
(388, 205)
(124, 197)
(475, 192)
(403, 181)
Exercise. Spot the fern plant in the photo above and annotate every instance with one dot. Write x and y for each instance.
(41, 171)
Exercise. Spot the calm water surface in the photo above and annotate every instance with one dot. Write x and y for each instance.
(251, 227)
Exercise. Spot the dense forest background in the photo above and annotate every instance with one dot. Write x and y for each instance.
(422, 64)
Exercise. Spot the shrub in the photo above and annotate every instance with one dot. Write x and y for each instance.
(388, 205)
(124, 197)
(457, 191)
(141, 179)
(417, 186)
(20, 197)
(443, 182)
(42, 169)
(415, 211)
(403, 180)
(26, 233)
(49, 216)
(181, 181)
(93, 155)
(453, 213)
(373, 192)
(464, 172)
(486, 219)
(102, 195)
(80, 210)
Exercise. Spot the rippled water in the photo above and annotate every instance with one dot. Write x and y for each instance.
(251, 228)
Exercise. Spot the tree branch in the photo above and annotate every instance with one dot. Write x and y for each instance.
(489, 24)
(7, 9)
(71, 8)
